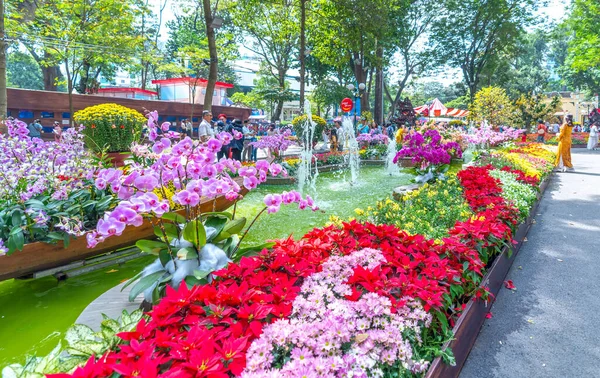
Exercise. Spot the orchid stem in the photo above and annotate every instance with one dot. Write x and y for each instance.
(248, 229)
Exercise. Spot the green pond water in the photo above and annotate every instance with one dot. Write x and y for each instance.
(34, 314)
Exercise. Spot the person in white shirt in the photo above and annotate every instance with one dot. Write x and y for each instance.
(341, 137)
(593, 138)
(205, 127)
(247, 151)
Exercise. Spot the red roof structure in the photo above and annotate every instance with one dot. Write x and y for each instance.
(188, 80)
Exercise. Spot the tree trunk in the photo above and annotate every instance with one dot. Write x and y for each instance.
(276, 115)
(3, 99)
(302, 51)
(212, 51)
(70, 91)
(51, 76)
(378, 111)
(83, 84)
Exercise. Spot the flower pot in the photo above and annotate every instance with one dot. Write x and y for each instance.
(118, 158)
(406, 162)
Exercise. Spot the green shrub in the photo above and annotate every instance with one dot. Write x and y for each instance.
(299, 122)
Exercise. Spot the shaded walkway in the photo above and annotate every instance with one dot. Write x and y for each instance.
(550, 326)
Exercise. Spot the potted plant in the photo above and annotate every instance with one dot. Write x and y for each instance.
(299, 123)
(111, 128)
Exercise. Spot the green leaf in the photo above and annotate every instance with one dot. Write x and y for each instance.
(201, 274)
(216, 222)
(235, 226)
(66, 240)
(170, 229)
(150, 246)
(35, 204)
(251, 251)
(442, 319)
(17, 217)
(15, 242)
(187, 254)
(144, 283)
(195, 233)
(225, 214)
(164, 256)
(55, 235)
(174, 217)
(132, 280)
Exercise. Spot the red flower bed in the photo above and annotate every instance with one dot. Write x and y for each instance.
(205, 331)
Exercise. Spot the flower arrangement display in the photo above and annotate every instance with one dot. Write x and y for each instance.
(521, 195)
(46, 189)
(430, 210)
(291, 166)
(432, 156)
(110, 126)
(330, 335)
(194, 244)
(373, 151)
(277, 144)
(331, 158)
(485, 136)
(576, 138)
(299, 123)
(353, 299)
(371, 138)
(448, 133)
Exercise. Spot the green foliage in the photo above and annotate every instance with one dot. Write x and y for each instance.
(520, 195)
(329, 93)
(470, 32)
(88, 37)
(300, 122)
(529, 109)
(430, 210)
(81, 343)
(22, 71)
(491, 104)
(110, 125)
(80, 211)
(584, 48)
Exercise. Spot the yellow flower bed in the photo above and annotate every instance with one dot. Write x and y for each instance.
(110, 125)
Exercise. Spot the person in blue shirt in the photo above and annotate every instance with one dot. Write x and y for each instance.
(35, 129)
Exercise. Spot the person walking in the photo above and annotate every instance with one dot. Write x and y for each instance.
(593, 138)
(35, 129)
(563, 157)
(541, 132)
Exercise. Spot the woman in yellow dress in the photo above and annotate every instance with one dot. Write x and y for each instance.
(563, 157)
(400, 135)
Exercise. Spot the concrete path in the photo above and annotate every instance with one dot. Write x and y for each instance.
(550, 326)
(111, 303)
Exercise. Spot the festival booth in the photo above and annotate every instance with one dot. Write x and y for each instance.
(437, 109)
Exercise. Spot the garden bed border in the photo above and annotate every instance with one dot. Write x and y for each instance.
(468, 325)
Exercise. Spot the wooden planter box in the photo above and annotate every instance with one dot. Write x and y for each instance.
(39, 256)
(468, 325)
(280, 181)
(406, 162)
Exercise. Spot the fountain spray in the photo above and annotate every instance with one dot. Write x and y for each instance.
(352, 158)
(307, 171)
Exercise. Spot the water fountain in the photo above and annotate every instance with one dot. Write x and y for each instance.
(351, 158)
(390, 167)
(307, 170)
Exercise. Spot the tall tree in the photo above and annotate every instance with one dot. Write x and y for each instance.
(470, 32)
(584, 48)
(272, 31)
(87, 37)
(22, 71)
(349, 32)
(412, 21)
